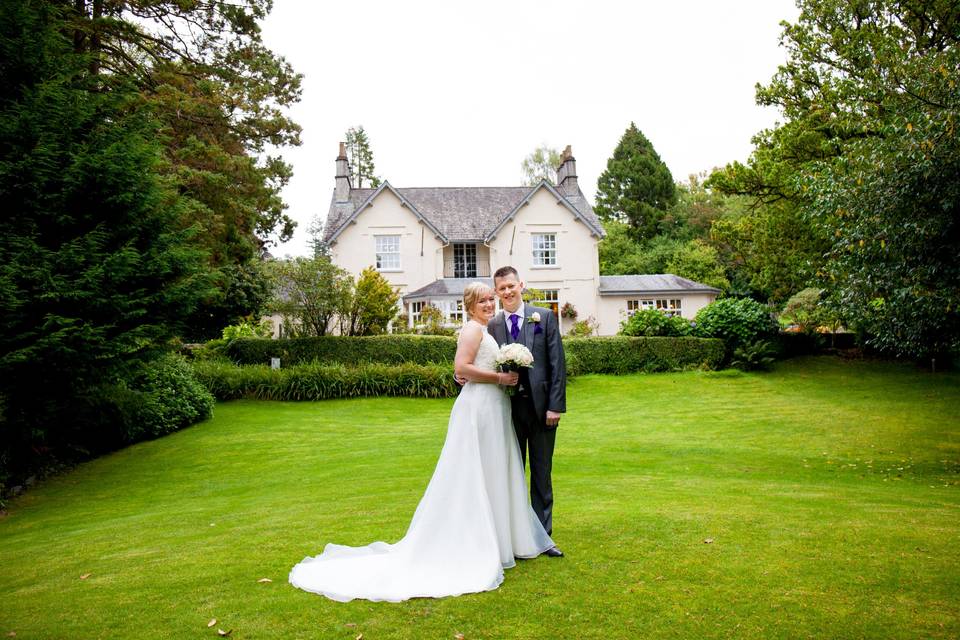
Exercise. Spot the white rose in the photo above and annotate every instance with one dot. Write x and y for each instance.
(535, 316)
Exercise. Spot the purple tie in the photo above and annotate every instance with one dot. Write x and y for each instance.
(515, 329)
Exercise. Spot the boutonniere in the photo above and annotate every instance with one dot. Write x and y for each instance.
(535, 317)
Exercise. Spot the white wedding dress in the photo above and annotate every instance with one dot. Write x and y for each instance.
(472, 521)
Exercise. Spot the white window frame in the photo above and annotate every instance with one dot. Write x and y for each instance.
(544, 249)
(466, 261)
(415, 309)
(387, 249)
(550, 300)
(669, 306)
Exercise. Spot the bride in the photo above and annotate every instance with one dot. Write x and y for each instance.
(473, 519)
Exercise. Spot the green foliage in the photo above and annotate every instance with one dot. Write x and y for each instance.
(373, 306)
(754, 356)
(736, 321)
(870, 153)
(636, 187)
(241, 291)
(170, 398)
(651, 322)
(324, 381)
(568, 311)
(248, 329)
(806, 310)
(541, 164)
(583, 328)
(360, 158)
(96, 274)
(622, 354)
(699, 262)
(432, 321)
(387, 349)
(770, 250)
(310, 294)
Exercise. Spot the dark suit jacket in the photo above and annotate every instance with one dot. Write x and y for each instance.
(548, 377)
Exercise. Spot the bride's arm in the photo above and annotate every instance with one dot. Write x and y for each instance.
(470, 337)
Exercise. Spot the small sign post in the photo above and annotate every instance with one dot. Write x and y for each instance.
(274, 363)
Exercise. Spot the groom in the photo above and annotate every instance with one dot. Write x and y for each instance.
(542, 391)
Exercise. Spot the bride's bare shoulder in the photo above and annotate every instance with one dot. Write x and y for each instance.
(471, 332)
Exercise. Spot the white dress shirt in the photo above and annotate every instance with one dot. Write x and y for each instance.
(519, 312)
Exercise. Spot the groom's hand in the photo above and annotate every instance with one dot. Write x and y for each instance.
(553, 418)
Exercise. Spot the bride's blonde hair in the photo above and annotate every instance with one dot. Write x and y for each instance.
(472, 294)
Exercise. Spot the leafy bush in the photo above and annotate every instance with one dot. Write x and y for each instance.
(324, 381)
(165, 396)
(753, 356)
(623, 354)
(651, 322)
(736, 321)
(387, 349)
(248, 329)
(583, 328)
(808, 312)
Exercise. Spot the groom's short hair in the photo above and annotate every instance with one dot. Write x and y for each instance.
(503, 272)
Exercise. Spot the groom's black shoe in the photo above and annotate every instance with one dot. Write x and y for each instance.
(553, 552)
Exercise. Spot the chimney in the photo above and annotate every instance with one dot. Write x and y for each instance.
(567, 172)
(343, 175)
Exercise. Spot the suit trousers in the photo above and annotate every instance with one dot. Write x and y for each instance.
(537, 439)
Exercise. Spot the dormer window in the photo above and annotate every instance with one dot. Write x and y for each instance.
(464, 260)
(388, 253)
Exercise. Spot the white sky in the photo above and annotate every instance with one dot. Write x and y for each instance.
(457, 94)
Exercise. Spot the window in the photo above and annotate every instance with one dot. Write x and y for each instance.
(415, 309)
(669, 306)
(550, 300)
(544, 249)
(388, 253)
(464, 261)
(455, 312)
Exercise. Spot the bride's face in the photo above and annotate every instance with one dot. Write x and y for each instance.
(485, 306)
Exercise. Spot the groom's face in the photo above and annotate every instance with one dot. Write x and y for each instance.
(509, 290)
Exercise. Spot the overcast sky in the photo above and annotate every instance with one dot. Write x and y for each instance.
(457, 94)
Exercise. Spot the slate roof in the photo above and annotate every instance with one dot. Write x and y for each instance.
(651, 283)
(458, 214)
(445, 287)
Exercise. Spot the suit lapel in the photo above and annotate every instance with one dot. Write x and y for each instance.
(498, 329)
(528, 327)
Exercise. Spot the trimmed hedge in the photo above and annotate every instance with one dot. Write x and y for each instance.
(324, 381)
(386, 349)
(623, 354)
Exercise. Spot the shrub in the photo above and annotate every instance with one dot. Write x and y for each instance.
(248, 329)
(623, 354)
(165, 396)
(387, 349)
(324, 381)
(583, 328)
(736, 321)
(807, 311)
(651, 322)
(753, 356)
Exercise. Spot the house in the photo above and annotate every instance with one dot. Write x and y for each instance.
(431, 242)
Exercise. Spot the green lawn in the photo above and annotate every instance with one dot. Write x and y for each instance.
(830, 491)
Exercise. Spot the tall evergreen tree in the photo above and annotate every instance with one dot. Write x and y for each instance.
(636, 187)
(360, 158)
(96, 271)
(221, 96)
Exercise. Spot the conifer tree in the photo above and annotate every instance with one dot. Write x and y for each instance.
(636, 188)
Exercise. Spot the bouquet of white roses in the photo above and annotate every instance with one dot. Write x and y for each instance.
(511, 358)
